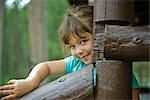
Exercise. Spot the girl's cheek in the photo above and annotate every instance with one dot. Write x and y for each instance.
(73, 53)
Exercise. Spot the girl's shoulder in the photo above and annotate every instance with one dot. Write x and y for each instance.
(72, 61)
(73, 64)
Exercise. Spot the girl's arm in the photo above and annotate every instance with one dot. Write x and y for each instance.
(42, 70)
(17, 88)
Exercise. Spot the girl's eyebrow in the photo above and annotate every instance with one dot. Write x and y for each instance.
(78, 40)
(83, 37)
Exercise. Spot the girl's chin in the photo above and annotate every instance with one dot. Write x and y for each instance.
(88, 61)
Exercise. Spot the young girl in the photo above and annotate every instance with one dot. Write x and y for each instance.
(76, 34)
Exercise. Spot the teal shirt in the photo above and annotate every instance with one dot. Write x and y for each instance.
(134, 82)
(73, 64)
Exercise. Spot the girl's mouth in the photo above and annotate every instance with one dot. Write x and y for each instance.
(86, 57)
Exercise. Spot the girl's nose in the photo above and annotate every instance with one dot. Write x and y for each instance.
(79, 50)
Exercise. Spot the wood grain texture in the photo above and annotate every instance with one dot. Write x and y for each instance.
(114, 10)
(125, 42)
(73, 86)
(113, 80)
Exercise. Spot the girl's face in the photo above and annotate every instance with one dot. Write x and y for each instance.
(82, 47)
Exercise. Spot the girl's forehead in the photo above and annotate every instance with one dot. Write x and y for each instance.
(73, 40)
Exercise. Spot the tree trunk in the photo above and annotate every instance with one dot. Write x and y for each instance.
(37, 35)
(73, 86)
(1, 35)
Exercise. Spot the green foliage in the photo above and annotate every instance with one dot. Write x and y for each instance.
(141, 70)
(16, 48)
(15, 45)
(54, 11)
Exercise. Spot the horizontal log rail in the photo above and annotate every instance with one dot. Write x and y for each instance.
(125, 42)
(77, 85)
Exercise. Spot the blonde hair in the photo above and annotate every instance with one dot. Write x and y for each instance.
(77, 21)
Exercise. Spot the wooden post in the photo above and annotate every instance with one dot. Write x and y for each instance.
(114, 11)
(114, 80)
(113, 77)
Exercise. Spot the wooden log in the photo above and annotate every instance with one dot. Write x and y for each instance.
(113, 80)
(78, 85)
(125, 42)
(114, 11)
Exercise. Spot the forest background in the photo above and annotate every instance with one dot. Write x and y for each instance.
(29, 35)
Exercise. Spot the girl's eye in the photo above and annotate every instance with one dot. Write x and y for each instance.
(71, 46)
(82, 42)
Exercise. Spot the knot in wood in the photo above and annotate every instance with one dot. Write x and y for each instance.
(114, 50)
(114, 47)
(62, 79)
(137, 40)
(119, 41)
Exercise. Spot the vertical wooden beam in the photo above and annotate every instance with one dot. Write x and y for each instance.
(114, 81)
(113, 77)
(114, 11)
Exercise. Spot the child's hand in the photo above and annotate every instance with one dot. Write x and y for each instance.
(15, 88)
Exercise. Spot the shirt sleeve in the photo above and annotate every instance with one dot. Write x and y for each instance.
(70, 62)
(134, 82)
(73, 64)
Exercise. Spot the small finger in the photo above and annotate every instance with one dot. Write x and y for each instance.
(6, 87)
(7, 92)
(9, 97)
(11, 82)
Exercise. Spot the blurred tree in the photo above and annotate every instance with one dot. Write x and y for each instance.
(30, 35)
(1, 34)
(38, 37)
(15, 45)
(53, 14)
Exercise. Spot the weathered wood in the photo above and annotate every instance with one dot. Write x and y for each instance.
(78, 85)
(114, 11)
(125, 42)
(113, 80)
